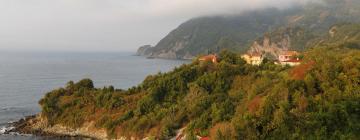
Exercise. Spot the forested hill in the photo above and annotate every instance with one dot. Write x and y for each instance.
(319, 99)
(237, 33)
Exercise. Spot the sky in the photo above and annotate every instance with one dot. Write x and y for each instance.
(106, 25)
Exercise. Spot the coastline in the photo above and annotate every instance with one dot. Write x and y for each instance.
(12, 111)
(36, 125)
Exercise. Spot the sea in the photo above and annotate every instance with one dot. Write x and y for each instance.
(25, 77)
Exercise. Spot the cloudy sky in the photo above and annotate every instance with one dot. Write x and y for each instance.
(106, 25)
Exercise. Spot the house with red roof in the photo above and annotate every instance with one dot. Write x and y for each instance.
(209, 58)
(287, 55)
(289, 58)
(291, 62)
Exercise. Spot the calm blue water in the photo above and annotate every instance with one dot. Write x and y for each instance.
(26, 77)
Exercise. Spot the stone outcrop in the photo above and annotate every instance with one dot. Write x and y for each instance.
(272, 49)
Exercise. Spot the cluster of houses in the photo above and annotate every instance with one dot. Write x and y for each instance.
(256, 58)
(284, 58)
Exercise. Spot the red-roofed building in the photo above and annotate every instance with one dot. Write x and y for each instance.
(212, 58)
(289, 58)
(292, 62)
(287, 55)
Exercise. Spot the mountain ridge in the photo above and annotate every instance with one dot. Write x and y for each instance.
(205, 35)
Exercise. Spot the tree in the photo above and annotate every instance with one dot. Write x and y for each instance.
(85, 83)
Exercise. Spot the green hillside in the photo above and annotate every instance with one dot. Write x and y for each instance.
(319, 99)
(347, 34)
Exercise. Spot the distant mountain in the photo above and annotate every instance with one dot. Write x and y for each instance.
(211, 34)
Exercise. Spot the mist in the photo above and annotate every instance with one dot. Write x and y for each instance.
(107, 25)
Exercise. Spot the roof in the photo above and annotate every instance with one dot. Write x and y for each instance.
(208, 57)
(291, 53)
(293, 60)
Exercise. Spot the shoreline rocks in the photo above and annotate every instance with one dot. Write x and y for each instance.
(38, 126)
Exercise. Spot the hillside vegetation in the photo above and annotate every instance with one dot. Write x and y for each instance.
(319, 99)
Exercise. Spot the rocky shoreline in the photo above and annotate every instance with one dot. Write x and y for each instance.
(37, 126)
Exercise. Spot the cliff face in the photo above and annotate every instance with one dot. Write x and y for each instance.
(272, 49)
(283, 39)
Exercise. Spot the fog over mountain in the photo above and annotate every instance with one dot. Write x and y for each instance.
(106, 25)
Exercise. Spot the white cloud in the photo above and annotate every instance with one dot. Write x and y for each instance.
(206, 7)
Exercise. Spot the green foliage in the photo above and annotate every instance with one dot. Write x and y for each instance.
(231, 58)
(222, 111)
(85, 83)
